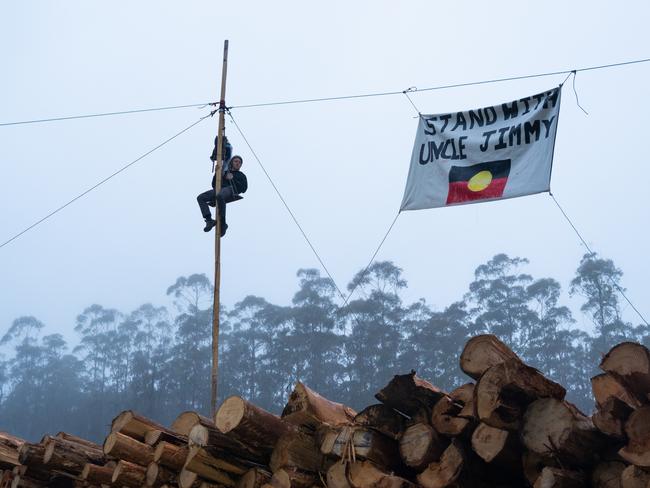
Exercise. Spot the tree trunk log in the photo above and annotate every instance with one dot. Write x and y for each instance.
(409, 393)
(254, 478)
(188, 479)
(77, 440)
(557, 428)
(71, 457)
(497, 446)
(186, 420)
(637, 429)
(635, 477)
(337, 476)
(453, 415)
(610, 418)
(9, 447)
(31, 454)
(308, 409)
(134, 425)
(421, 445)
(607, 385)
(364, 474)
(129, 474)
(25, 482)
(607, 475)
(631, 361)
(560, 478)
(202, 462)
(171, 456)
(297, 450)
(98, 475)
(153, 437)
(121, 446)
(359, 442)
(445, 472)
(207, 435)
(481, 352)
(293, 478)
(506, 389)
(158, 475)
(383, 419)
(250, 425)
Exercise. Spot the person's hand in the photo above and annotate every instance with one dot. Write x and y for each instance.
(229, 176)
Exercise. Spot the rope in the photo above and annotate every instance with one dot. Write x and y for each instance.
(123, 168)
(442, 87)
(618, 288)
(104, 114)
(286, 205)
(371, 260)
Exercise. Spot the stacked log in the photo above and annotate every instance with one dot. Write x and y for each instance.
(511, 427)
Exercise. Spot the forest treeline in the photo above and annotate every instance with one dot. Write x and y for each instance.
(157, 361)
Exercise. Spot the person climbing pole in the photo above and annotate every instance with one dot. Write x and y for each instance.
(233, 182)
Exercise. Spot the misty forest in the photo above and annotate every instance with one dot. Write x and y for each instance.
(156, 361)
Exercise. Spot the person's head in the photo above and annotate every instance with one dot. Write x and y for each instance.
(236, 162)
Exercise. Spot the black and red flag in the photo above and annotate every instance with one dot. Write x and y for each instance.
(478, 182)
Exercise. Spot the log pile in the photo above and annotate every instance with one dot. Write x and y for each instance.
(510, 427)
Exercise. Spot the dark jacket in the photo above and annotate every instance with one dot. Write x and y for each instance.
(227, 149)
(239, 182)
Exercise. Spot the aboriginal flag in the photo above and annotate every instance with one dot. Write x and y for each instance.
(478, 182)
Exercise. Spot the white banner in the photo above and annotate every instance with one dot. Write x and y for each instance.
(503, 151)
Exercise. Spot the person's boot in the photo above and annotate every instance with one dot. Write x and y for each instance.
(209, 224)
(224, 227)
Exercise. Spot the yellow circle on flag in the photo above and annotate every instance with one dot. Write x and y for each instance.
(480, 181)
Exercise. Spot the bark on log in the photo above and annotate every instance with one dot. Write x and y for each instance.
(631, 361)
(383, 419)
(607, 475)
(31, 454)
(206, 435)
(557, 428)
(171, 456)
(481, 352)
(297, 450)
(293, 478)
(364, 474)
(560, 478)
(121, 446)
(208, 472)
(129, 474)
(637, 428)
(254, 478)
(201, 462)
(250, 425)
(188, 479)
(9, 447)
(497, 446)
(635, 477)
(71, 457)
(153, 437)
(610, 418)
(25, 482)
(77, 440)
(134, 425)
(98, 475)
(506, 389)
(306, 408)
(337, 476)
(157, 475)
(409, 393)
(360, 442)
(421, 445)
(607, 385)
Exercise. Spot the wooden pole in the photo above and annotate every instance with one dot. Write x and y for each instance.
(217, 238)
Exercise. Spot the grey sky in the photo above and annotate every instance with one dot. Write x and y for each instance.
(341, 166)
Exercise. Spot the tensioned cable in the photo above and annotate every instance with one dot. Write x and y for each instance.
(123, 168)
(371, 259)
(441, 87)
(620, 290)
(104, 114)
(286, 205)
(344, 97)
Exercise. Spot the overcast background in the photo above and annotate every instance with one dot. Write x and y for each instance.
(340, 165)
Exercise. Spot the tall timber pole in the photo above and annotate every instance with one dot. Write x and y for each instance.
(217, 238)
